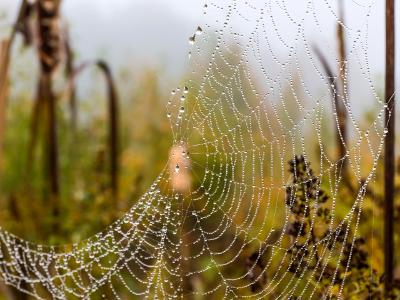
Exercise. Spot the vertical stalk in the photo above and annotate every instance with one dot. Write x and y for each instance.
(389, 159)
(20, 26)
(69, 70)
(340, 110)
(4, 63)
(113, 128)
(49, 56)
(52, 164)
(341, 107)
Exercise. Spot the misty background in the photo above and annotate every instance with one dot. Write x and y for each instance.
(131, 35)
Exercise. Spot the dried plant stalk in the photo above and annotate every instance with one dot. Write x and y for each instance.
(49, 36)
(21, 25)
(389, 155)
(341, 107)
(338, 107)
(113, 128)
(4, 64)
(113, 112)
(69, 70)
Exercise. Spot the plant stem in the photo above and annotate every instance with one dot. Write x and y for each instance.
(113, 128)
(49, 56)
(341, 105)
(389, 159)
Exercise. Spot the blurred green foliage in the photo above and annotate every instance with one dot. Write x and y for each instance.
(85, 200)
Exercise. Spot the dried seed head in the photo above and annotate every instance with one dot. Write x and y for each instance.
(49, 34)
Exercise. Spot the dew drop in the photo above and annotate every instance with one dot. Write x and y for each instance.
(199, 31)
(177, 168)
(182, 109)
(205, 9)
(185, 90)
(192, 39)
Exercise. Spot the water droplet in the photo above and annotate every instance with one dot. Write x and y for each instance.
(192, 39)
(205, 9)
(168, 115)
(177, 168)
(199, 31)
(182, 109)
(185, 90)
(183, 98)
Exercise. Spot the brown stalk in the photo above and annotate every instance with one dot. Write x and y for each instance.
(4, 63)
(113, 111)
(34, 126)
(389, 152)
(21, 25)
(69, 70)
(338, 107)
(113, 141)
(341, 107)
(49, 57)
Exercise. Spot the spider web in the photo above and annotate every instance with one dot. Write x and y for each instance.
(215, 222)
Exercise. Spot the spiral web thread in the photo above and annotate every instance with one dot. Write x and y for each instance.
(214, 223)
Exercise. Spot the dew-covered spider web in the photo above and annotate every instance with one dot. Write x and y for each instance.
(266, 137)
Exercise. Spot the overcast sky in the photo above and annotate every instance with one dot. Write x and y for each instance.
(136, 33)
